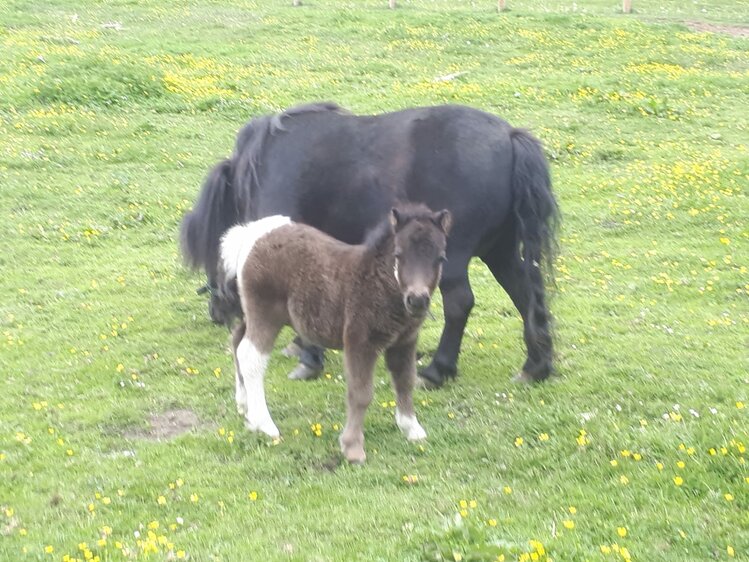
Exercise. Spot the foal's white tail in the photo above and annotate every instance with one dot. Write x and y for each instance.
(238, 241)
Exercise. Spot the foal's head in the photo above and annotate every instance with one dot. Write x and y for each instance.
(420, 238)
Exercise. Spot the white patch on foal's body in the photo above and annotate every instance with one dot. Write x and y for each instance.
(252, 366)
(410, 426)
(239, 240)
(395, 272)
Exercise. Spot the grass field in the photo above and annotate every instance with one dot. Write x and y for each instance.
(111, 113)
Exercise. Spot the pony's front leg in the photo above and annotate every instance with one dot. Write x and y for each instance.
(240, 393)
(359, 362)
(252, 363)
(401, 362)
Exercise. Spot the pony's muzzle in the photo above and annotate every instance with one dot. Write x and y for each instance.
(417, 304)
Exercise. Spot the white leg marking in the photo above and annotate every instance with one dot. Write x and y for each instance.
(252, 365)
(240, 394)
(395, 272)
(410, 426)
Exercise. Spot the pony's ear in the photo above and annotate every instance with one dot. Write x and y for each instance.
(396, 220)
(444, 220)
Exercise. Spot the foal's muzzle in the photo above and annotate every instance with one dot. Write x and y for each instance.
(417, 304)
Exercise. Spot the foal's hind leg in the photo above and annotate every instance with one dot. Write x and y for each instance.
(252, 358)
(529, 298)
(240, 394)
(401, 361)
(457, 301)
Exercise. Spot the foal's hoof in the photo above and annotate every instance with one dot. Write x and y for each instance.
(525, 378)
(263, 426)
(291, 350)
(354, 455)
(304, 373)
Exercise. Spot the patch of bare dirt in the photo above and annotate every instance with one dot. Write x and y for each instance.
(166, 425)
(732, 30)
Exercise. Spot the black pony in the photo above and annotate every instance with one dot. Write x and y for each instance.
(342, 173)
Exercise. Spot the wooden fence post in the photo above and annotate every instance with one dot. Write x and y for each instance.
(391, 4)
(501, 5)
(627, 6)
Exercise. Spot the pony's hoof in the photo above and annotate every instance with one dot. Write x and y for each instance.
(523, 378)
(291, 350)
(304, 373)
(355, 455)
(266, 426)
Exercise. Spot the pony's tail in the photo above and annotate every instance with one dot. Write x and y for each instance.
(239, 240)
(537, 216)
(214, 212)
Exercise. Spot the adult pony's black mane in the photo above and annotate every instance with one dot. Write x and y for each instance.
(233, 185)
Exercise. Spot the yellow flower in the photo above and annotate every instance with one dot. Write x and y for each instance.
(518, 441)
(161, 500)
(252, 495)
(572, 509)
(637, 456)
(659, 465)
(605, 549)
(568, 524)
(621, 531)
(180, 554)
(49, 549)
(507, 490)
(729, 497)
(492, 522)
(194, 498)
(678, 480)
(739, 405)
(543, 437)
(614, 462)
(730, 551)
(624, 480)
(680, 464)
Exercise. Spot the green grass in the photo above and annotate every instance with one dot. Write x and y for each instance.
(105, 137)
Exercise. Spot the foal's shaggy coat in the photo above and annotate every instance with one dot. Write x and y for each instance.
(366, 299)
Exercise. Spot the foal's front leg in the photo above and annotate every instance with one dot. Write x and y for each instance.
(252, 363)
(401, 361)
(359, 361)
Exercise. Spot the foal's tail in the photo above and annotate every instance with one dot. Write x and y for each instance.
(237, 243)
(537, 216)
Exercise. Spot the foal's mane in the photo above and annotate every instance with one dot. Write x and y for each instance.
(380, 237)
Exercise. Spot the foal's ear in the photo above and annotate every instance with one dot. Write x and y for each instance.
(395, 218)
(444, 220)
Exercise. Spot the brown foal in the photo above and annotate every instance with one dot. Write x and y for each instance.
(365, 299)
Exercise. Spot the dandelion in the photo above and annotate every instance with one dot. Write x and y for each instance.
(678, 480)
(680, 464)
(492, 522)
(614, 462)
(621, 531)
(624, 480)
(161, 500)
(730, 551)
(543, 437)
(568, 524)
(572, 509)
(507, 490)
(49, 549)
(194, 498)
(253, 496)
(740, 405)
(729, 497)
(518, 441)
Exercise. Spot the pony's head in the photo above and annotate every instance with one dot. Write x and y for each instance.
(419, 242)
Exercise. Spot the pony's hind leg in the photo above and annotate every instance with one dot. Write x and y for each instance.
(527, 292)
(401, 362)
(252, 358)
(240, 393)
